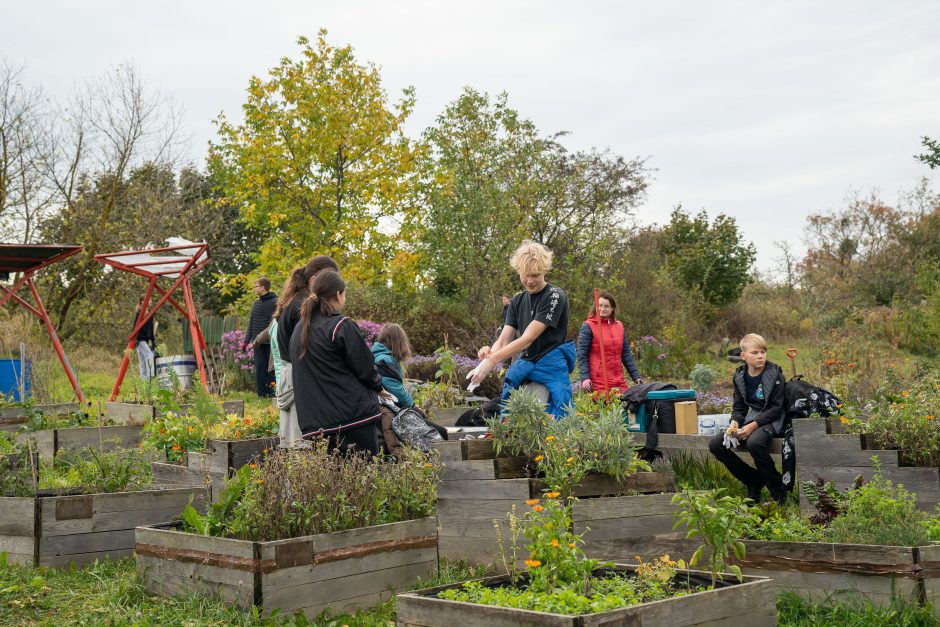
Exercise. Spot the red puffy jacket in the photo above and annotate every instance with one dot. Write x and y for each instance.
(613, 347)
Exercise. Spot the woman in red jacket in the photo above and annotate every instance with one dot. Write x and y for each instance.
(601, 375)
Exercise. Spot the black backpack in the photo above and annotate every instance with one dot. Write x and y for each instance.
(802, 400)
(414, 429)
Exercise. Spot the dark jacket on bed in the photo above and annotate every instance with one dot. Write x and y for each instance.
(335, 383)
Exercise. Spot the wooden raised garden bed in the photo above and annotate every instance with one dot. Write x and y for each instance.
(214, 465)
(50, 441)
(12, 418)
(819, 570)
(841, 458)
(750, 603)
(59, 530)
(480, 488)
(342, 570)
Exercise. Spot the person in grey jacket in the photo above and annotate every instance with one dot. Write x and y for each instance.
(757, 416)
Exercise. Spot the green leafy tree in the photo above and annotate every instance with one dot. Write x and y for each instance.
(932, 156)
(489, 179)
(710, 258)
(321, 165)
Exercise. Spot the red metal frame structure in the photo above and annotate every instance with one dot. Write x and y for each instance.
(154, 263)
(28, 259)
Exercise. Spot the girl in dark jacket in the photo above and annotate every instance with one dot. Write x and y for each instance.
(602, 329)
(336, 384)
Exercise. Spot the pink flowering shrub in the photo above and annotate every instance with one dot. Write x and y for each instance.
(239, 364)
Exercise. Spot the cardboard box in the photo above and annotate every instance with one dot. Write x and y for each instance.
(687, 417)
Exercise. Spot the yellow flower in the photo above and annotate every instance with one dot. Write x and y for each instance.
(844, 420)
(550, 438)
(555, 543)
(429, 465)
(555, 495)
(532, 502)
(260, 481)
(571, 545)
(905, 393)
(539, 458)
(532, 563)
(538, 508)
(570, 460)
(252, 466)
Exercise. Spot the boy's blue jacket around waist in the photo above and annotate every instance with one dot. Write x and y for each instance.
(394, 386)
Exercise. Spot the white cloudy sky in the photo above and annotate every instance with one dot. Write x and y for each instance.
(764, 111)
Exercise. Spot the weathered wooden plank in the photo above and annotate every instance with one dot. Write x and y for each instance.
(107, 438)
(369, 582)
(62, 561)
(516, 489)
(298, 576)
(623, 506)
(468, 470)
(16, 515)
(129, 413)
(116, 539)
(449, 451)
(627, 527)
(649, 547)
(182, 579)
(605, 485)
(246, 451)
(110, 521)
(353, 537)
(472, 509)
(478, 449)
(43, 442)
(472, 550)
(172, 539)
(18, 544)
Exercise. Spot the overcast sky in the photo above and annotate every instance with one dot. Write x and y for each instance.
(764, 111)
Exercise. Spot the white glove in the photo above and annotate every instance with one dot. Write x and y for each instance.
(470, 375)
(730, 442)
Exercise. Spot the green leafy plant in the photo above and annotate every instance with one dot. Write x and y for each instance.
(525, 427)
(438, 395)
(301, 493)
(883, 513)
(446, 365)
(703, 378)
(718, 520)
(91, 471)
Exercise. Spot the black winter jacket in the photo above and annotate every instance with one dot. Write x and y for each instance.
(336, 384)
(771, 412)
(261, 313)
(286, 322)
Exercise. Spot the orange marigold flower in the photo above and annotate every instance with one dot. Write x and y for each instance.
(252, 466)
(538, 508)
(851, 365)
(176, 447)
(532, 563)
(555, 542)
(247, 421)
(844, 420)
(552, 495)
(571, 545)
(429, 465)
(930, 417)
(260, 481)
(550, 438)
(532, 502)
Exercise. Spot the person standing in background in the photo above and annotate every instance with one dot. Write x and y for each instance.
(262, 311)
(146, 340)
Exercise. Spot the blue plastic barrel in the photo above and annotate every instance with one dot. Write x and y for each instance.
(10, 377)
